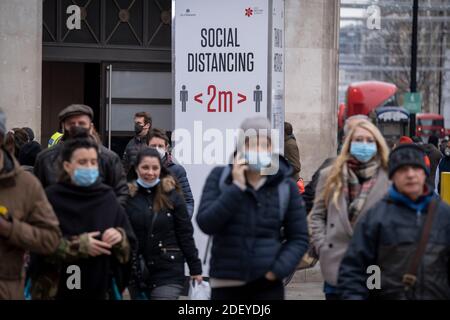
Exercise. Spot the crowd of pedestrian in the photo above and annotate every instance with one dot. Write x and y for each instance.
(127, 223)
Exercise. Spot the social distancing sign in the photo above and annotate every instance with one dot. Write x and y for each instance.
(228, 63)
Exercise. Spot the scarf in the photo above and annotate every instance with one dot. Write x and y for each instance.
(358, 179)
(87, 209)
(418, 206)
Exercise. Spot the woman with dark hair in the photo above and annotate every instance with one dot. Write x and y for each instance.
(96, 231)
(158, 139)
(159, 218)
(14, 141)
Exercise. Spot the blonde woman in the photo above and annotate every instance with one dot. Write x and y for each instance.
(345, 191)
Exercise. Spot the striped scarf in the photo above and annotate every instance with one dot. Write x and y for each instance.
(358, 179)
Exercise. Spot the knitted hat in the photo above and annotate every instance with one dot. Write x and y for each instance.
(405, 140)
(261, 125)
(408, 155)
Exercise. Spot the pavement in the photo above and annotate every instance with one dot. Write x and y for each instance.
(306, 285)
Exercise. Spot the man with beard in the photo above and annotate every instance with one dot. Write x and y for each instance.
(142, 125)
(47, 166)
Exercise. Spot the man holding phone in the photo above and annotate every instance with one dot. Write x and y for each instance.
(244, 206)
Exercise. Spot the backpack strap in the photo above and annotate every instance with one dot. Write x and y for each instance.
(283, 198)
(223, 177)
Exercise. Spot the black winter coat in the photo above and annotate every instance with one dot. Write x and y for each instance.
(310, 190)
(245, 226)
(129, 158)
(387, 236)
(169, 244)
(180, 175)
(90, 209)
(110, 170)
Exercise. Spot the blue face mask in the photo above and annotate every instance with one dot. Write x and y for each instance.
(363, 152)
(84, 177)
(258, 160)
(147, 185)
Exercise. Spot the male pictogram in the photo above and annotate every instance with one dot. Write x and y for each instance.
(257, 97)
(183, 98)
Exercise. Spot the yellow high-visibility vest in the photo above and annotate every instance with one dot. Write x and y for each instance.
(445, 186)
(54, 139)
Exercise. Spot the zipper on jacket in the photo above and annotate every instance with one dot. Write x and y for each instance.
(418, 214)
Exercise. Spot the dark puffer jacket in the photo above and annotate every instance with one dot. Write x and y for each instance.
(169, 244)
(388, 236)
(245, 226)
(110, 169)
(132, 149)
(180, 174)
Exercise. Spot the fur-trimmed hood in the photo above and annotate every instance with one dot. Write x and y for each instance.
(168, 184)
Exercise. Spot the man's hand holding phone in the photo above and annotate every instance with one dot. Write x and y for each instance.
(238, 172)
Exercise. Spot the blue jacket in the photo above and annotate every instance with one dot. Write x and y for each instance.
(179, 173)
(246, 225)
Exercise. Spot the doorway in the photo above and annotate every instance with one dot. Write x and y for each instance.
(134, 88)
(65, 83)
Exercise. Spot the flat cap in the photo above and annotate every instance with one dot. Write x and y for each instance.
(75, 110)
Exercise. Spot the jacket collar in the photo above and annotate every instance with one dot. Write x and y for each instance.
(9, 168)
(291, 136)
(418, 205)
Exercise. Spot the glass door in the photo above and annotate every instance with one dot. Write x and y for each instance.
(132, 88)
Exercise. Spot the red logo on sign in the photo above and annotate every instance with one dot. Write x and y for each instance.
(249, 12)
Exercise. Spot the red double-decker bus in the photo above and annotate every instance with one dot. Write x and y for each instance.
(428, 124)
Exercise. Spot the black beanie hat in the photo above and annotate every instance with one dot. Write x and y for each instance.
(408, 155)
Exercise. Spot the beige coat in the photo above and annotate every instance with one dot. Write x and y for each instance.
(330, 227)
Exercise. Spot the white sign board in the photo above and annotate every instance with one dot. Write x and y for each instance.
(223, 56)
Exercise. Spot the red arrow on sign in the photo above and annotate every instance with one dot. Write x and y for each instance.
(242, 98)
(197, 98)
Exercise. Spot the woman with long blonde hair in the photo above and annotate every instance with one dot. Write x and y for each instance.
(345, 191)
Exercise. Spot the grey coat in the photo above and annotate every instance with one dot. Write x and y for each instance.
(330, 226)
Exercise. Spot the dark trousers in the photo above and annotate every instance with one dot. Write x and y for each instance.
(261, 289)
(332, 296)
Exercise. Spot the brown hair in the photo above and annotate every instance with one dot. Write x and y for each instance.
(147, 117)
(157, 133)
(287, 129)
(161, 199)
(14, 141)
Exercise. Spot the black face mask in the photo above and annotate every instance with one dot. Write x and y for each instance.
(138, 128)
(74, 131)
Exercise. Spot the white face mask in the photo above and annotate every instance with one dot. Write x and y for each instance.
(162, 152)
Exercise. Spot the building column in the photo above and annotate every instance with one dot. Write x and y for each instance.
(312, 29)
(21, 63)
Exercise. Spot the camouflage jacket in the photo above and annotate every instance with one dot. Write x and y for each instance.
(44, 286)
